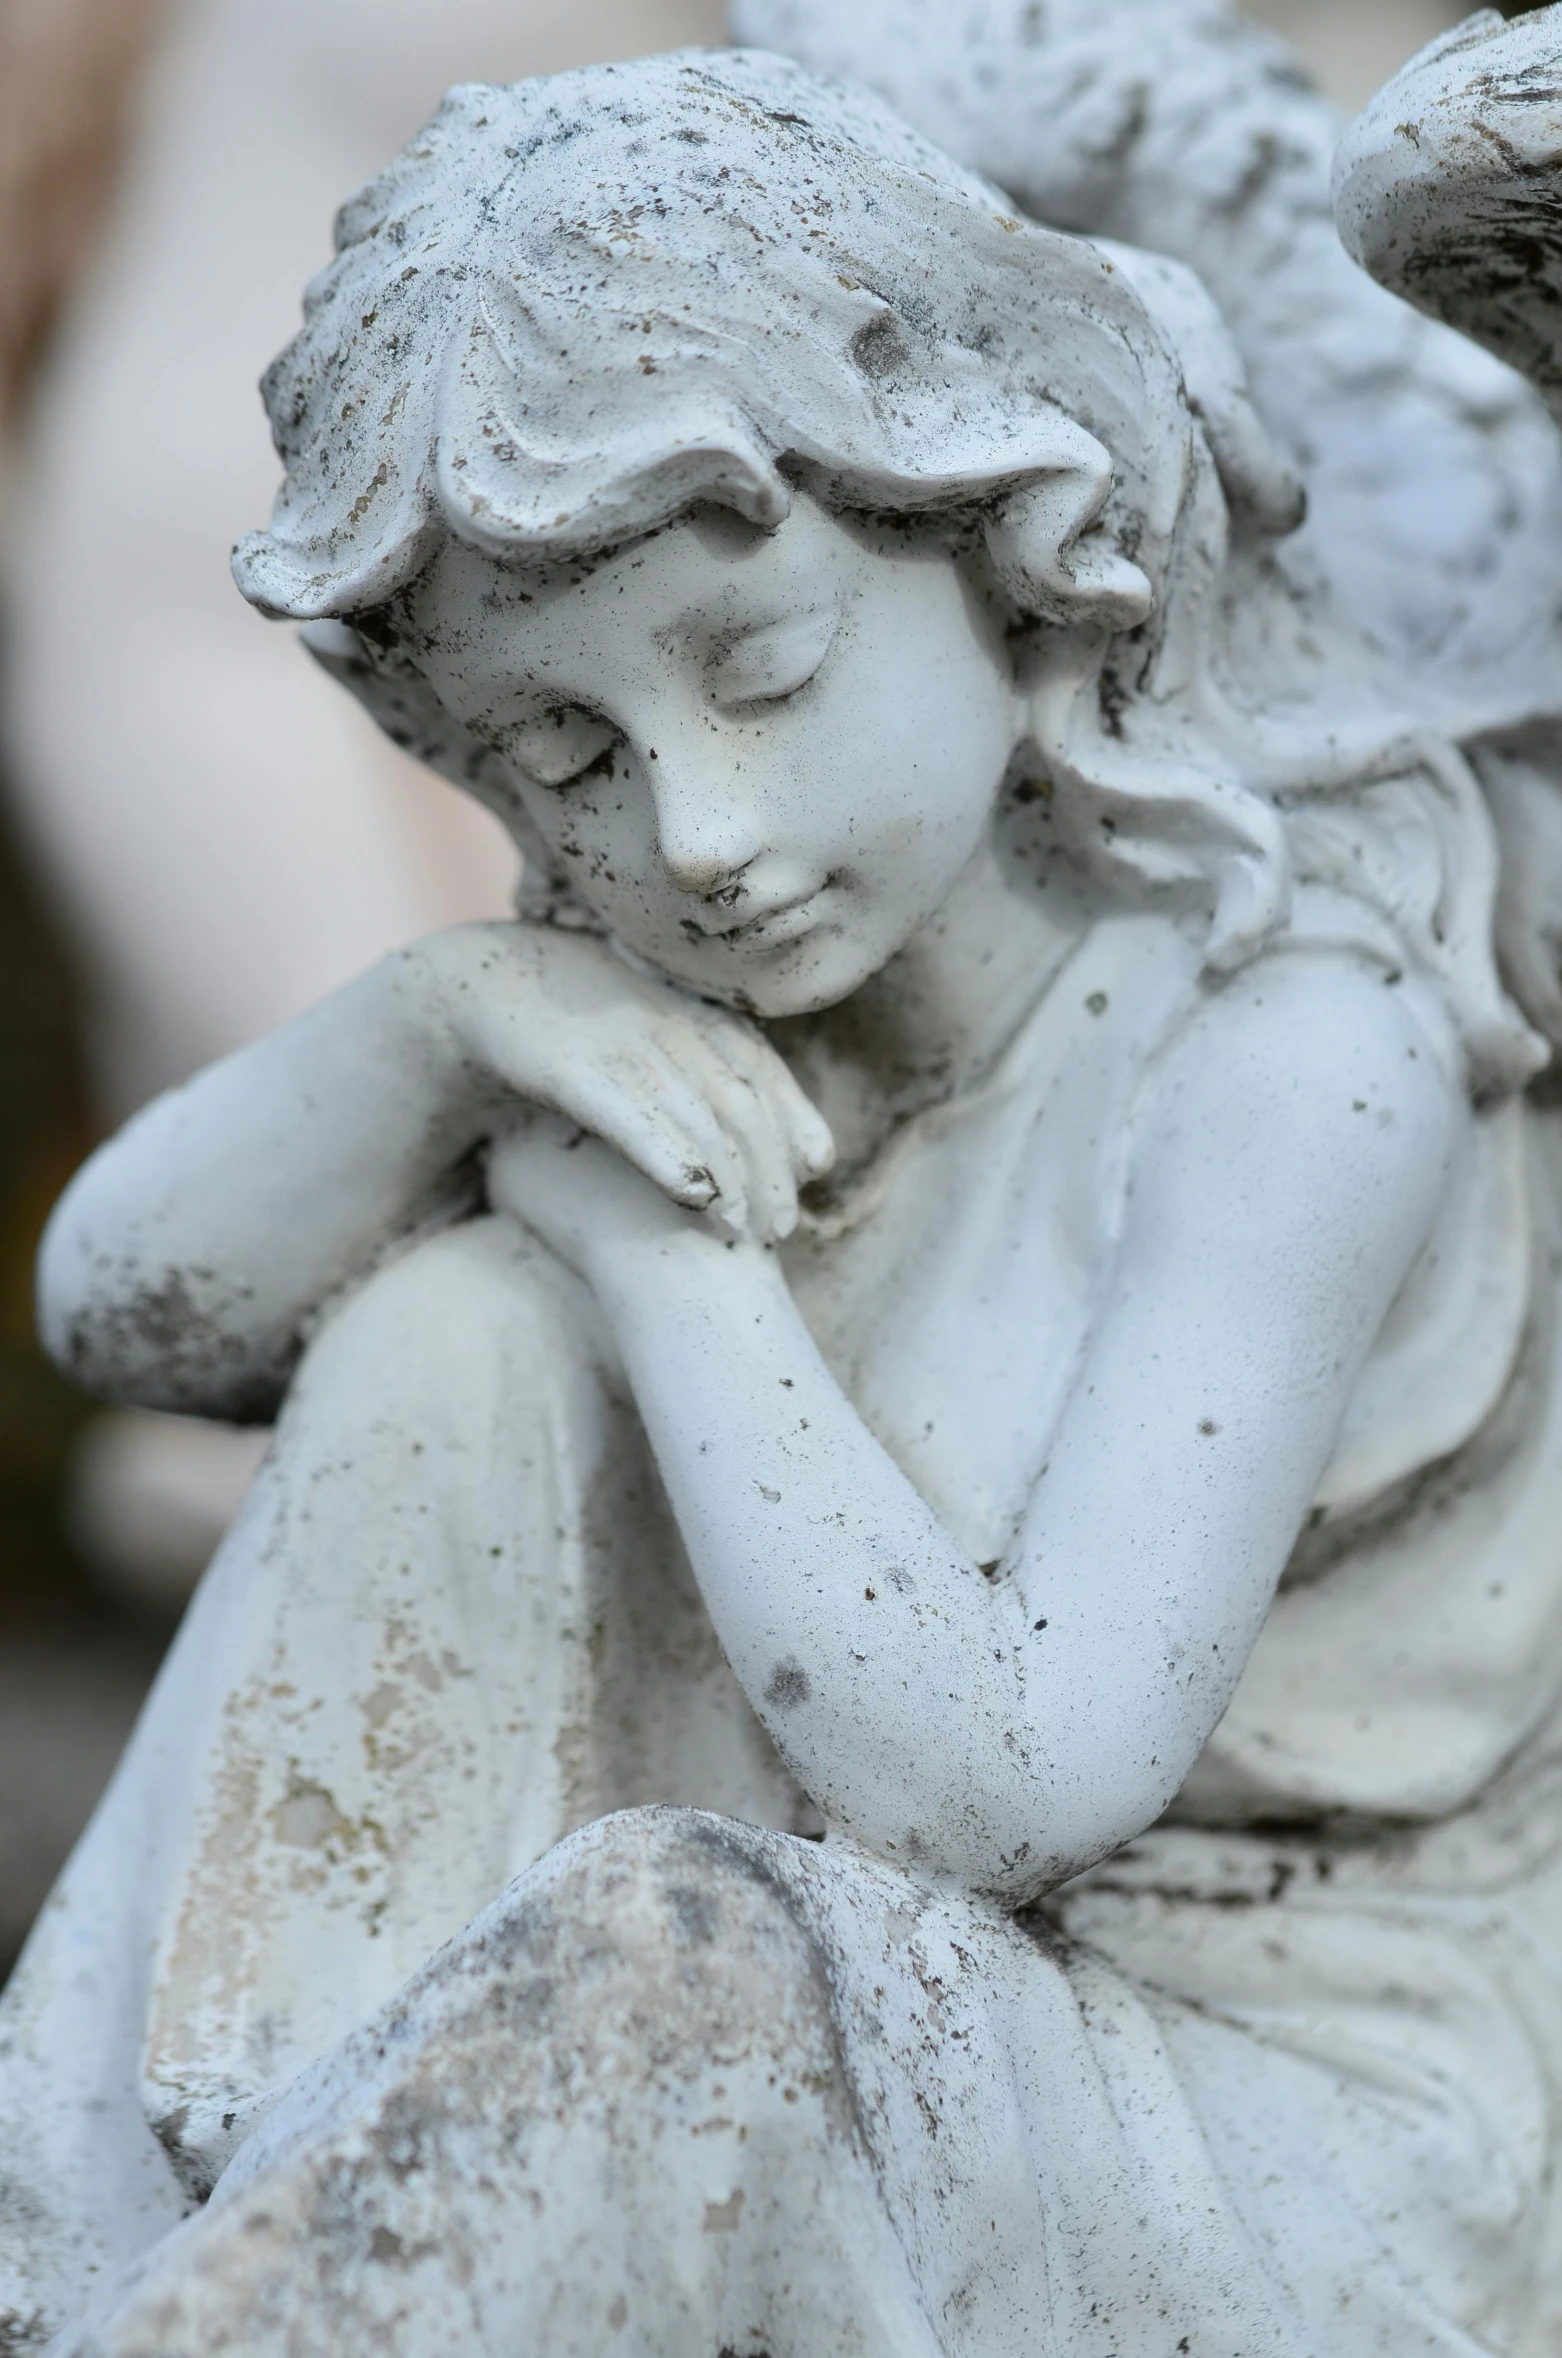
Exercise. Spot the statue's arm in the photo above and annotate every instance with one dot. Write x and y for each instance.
(187, 1259)
(1010, 1732)
(184, 1261)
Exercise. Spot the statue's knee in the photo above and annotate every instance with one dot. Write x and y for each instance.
(691, 1877)
(465, 1315)
(673, 1915)
(461, 1287)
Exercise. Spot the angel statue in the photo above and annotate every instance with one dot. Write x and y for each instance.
(895, 1686)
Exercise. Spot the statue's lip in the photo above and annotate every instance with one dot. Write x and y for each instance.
(784, 923)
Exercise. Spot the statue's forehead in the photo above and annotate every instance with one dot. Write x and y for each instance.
(706, 578)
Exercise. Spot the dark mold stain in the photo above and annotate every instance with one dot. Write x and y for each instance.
(789, 1685)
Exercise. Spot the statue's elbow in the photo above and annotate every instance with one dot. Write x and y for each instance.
(141, 1333)
(1015, 1835)
(65, 1310)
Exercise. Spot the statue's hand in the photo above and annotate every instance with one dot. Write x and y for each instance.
(580, 1196)
(689, 1094)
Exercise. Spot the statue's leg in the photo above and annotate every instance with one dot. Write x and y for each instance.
(690, 2086)
(387, 1699)
(403, 1721)
(613, 2114)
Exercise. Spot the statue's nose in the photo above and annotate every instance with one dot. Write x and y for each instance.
(706, 838)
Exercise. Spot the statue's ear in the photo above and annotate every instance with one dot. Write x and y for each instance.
(400, 701)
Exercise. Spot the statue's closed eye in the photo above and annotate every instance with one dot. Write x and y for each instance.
(776, 661)
(560, 745)
(565, 742)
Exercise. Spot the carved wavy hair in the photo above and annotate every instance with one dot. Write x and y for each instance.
(574, 308)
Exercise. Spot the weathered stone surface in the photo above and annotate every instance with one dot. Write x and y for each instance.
(894, 1684)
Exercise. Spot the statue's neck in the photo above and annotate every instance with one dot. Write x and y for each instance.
(964, 983)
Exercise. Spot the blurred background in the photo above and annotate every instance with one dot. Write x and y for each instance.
(198, 834)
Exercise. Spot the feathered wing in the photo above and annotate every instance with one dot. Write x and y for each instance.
(1448, 188)
(1173, 125)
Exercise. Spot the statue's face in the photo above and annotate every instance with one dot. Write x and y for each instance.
(764, 758)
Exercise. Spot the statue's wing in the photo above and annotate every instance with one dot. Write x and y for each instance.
(1449, 188)
(1434, 474)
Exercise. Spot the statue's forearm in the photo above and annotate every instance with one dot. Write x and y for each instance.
(908, 1692)
(1008, 1733)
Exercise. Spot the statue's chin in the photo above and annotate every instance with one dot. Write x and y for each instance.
(804, 979)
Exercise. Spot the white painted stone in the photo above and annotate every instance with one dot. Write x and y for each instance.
(894, 1683)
